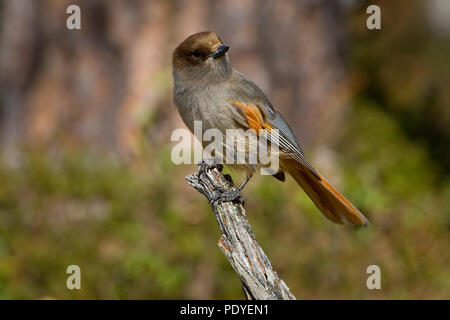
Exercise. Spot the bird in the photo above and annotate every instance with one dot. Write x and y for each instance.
(206, 88)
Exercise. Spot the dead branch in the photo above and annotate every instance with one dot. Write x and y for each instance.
(238, 243)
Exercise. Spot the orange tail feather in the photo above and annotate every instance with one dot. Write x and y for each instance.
(329, 201)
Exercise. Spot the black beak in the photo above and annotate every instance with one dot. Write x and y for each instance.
(221, 50)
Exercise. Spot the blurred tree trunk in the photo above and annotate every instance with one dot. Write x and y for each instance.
(101, 85)
(63, 87)
(294, 50)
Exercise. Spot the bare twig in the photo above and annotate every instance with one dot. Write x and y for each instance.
(238, 243)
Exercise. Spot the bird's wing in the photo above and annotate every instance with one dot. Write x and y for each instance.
(254, 111)
(258, 116)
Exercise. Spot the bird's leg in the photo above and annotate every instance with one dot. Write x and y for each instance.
(209, 164)
(231, 195)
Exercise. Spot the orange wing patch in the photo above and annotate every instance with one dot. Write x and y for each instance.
(254, 118)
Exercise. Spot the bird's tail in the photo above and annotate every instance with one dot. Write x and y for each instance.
(329, 201)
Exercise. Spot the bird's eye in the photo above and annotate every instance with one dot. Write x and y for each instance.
(197, 55)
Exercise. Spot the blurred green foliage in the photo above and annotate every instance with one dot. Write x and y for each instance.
(138, 231)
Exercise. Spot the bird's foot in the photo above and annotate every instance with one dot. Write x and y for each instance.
(228, 195)
(222, 194)
(209, 164)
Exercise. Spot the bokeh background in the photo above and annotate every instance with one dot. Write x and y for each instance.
(86, 176)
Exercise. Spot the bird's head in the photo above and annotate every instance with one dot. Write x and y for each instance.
(202, 56)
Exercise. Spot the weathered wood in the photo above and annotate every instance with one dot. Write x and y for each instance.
(238, 243)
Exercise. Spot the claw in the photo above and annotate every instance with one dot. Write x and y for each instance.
(223, 195)
(229, 195)
(228, 178)
(209, 164)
